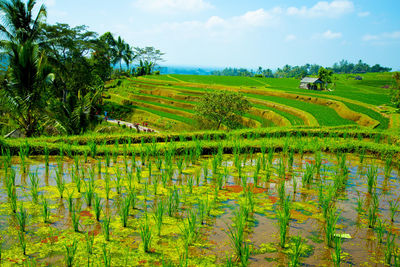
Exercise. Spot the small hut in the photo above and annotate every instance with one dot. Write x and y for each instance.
(311, 83)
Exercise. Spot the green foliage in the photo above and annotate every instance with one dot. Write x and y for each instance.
(222, 108)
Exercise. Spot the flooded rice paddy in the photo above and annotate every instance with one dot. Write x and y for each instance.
(179, 210)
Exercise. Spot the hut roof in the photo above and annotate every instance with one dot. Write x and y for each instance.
(311, 80)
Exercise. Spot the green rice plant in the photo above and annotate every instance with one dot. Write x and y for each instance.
(388, 165)
(99, 168)
(220, 181)
(145, 234)
(389, 250)
(373, 211)
(271, 152)
(330, 226)
(45, 210)
(60, 182)
(89, 243)
(362, 155)
(124, 211)
(22, 241)
(318, 162)
(360, 204)
(77, 180)
(70, 199)
(294, 185)
(236, 238)
(204, 209)
(179, 164)
(118, 180)
(291, 159)
(190, 182)
(70, 252)
(93, 149)
(97, 206)
(308, 175)
(205, 170)
(34, 186)
(336, 255)
(107, 186)
(344, 170)
(106, 256)
(283, 215)
(380, 229)
(394, 208)
(296, 254)
(189, 229)
(22, 217)
(106, 227)
(158, 216)
(372, 177)
(281, 192)
(282, 169)
(75, 217)
(12, 196)
(107, 157)
(85, 155)
(249, 195)
(89, 191)
(267, 173)
(138, 174)
(133, 198)
(61, 152)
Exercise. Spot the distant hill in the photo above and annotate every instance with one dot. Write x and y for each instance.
(186, 70)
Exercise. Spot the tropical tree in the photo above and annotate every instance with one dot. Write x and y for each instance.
(395, 95)
(23, 92)
(222, 108)
(325, 75)
(28, 74)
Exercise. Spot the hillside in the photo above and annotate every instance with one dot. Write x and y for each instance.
(167, 101)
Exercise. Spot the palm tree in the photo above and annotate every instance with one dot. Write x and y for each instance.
(28, 71)
(19, 24)
(22, 95)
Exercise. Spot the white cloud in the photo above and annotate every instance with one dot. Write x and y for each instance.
(331, 35)
(290, 37)
(332, 9)
(386, 36)
(364, 14)
(172, 6)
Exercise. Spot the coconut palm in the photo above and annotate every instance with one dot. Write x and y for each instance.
(27, 77)
(19, 24)
(28, 71)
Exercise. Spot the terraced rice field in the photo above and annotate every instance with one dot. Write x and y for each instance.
(283, 200)
(276, 102)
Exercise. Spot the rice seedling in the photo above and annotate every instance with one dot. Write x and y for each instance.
(97, 206)
(12, 196)
(107, 185)
(75, 217)
(124, 211)
(46, 158)
(133, 198)
(388, 166)
(145, 234)
(158, 216)
(70, 199)
(70, 252)
(22, 217)
(89, 191)
(318, 162)
(394, 208)
(362, 155)
(34, 186)
(45, 210)
(118, 180)
(330, 227)
(373, 211)
(138, 174)
(360, 204)
(89, 243)
(60, 182)
(107, 157)
(372, 176)
(106, 256)
(77, 180)
(106, 227)
(22, 241)
(336, 255)
(389, 250)
(236, 238)
(189, 229)
(282, 169)
(281, 192)
(283, 215)
(190, 182)
(380, 229)
(296, 254)
(308, 175)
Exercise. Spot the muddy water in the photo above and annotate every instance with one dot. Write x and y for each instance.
(362, 248)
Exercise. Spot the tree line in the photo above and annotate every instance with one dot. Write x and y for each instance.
(299, 72)
(52, 76)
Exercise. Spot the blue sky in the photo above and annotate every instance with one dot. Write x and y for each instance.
(219, 33)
